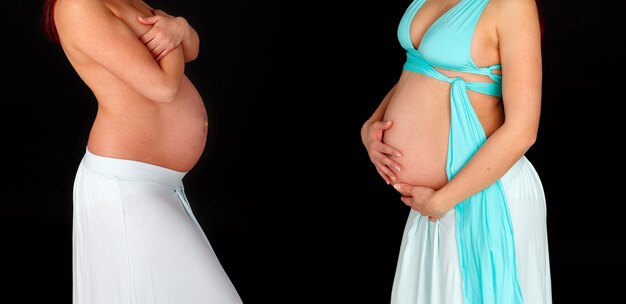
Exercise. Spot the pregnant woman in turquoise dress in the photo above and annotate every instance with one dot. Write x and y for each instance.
(451, 137)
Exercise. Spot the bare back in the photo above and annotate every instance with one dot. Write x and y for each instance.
(131, 123)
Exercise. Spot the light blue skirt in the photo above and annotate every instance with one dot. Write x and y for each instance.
(428, 269)
(136, 240)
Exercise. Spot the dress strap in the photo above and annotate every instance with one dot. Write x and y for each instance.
(416, 63)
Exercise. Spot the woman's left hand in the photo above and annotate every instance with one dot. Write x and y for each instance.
(420, 199)
(166, 34)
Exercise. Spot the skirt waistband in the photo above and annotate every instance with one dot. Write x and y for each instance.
(131, 169)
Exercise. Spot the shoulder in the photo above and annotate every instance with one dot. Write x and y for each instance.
(515, 16)
(80, 11)
(67, 8)
(76, 19)
(515, 8)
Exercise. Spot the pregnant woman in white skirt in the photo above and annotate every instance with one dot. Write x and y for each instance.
(135, 238)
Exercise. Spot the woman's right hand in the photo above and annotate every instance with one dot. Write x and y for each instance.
(380, 153)
(166, 34)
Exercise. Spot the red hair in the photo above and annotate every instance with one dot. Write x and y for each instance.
(47, 21)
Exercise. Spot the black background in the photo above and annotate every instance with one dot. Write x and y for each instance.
(284, 190)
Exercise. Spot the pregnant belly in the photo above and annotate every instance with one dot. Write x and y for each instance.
(171, 135)
(184, 132)
(419, 110)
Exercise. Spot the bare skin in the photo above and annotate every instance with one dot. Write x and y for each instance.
(407, 136)
(132, 57)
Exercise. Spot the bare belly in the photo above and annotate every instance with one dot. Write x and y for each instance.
(420, 112)
(171, 135)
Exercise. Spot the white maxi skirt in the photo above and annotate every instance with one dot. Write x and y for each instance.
(136, 240)
(428, 269)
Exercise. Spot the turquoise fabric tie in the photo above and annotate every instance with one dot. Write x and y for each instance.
(483, 224)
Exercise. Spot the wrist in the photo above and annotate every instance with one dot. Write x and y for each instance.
(442, 198)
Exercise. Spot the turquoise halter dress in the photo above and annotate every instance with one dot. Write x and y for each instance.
(484, 232)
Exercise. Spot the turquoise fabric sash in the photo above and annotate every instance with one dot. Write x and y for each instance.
(483, 225)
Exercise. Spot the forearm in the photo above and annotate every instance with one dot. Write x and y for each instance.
(191, 42)
(503, 148)
(173, 66)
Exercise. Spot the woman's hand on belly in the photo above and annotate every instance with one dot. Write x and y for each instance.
(380, 153)
(421, 199)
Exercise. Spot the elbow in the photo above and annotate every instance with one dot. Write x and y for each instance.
(522, 137)
(168, 98)
(527, 140)
(169, 94)
(192, 57)
(166, 94)
(167, 90)
(191, 53)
